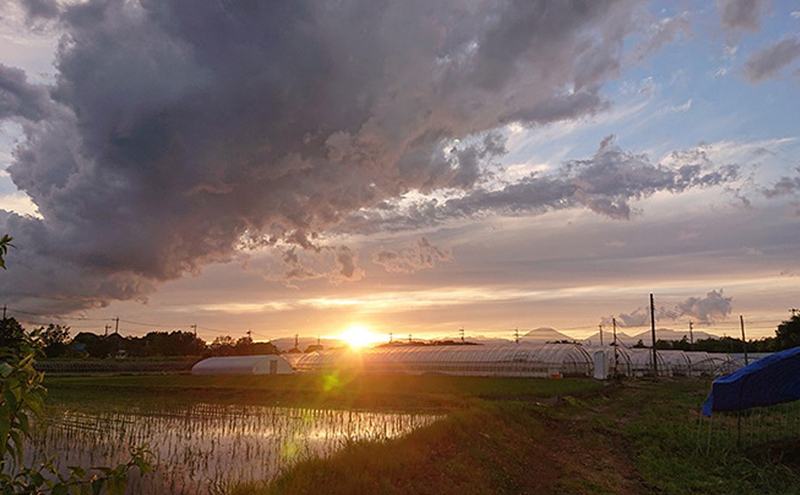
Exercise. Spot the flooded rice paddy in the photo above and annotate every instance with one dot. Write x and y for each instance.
(205, 448)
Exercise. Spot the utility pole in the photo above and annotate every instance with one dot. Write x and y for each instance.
(744, 340)
(106, 333)
(653, 334)
(4, 312)
(600, 326)
(691, 334)
(516, 335)
(461, 332)
(194, 327)
(116, 325)
(614, 329)
(296, 340)
(616, 353)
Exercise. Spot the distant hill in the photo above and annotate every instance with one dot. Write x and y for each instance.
(544, 334)
(661, 334)
(608, 337)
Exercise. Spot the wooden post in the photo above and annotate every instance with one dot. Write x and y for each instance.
(744, 340)
(653, 334)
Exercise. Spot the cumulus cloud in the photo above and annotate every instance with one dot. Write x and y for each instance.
(420, 256)
(785, 186)
(706, 310)
(20, 100)
(40, 9)
(334, 263)
(742, 15)
(713, 307)
(176, 129)
(605, 183)
(768, 62)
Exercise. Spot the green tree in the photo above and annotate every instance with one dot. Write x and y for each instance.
(54, 339)
(12, 334)
(787, 335)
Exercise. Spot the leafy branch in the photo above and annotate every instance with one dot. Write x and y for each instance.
(5, 243)
(21, 401)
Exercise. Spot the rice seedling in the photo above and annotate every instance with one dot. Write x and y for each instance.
(203, 447)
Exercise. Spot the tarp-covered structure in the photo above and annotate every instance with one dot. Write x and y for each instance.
(523, 360)
(771, 380)
(269, 364)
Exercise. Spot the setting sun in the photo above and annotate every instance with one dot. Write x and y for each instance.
(360, 336)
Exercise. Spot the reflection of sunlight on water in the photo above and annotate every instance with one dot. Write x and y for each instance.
(207, 444)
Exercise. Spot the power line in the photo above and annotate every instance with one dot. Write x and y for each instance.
(130, 322)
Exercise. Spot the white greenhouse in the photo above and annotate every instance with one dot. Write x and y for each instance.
(524, 360)
(641, 363)
(723, 364)
(243, 365)
(701, 363)
(676, 362)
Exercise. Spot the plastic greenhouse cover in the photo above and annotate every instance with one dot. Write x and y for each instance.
(771, 380)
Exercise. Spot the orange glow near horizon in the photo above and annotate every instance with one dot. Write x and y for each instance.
(358, 336)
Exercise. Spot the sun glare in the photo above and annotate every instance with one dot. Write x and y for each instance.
(359, 336)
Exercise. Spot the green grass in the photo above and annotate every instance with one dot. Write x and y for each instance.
(658, 423)
(637, 437)
(333, 390)
(492, 449)
(498, 437)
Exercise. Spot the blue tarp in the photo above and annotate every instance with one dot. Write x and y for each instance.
(771, 380)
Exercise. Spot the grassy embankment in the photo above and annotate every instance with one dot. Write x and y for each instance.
(638, 437)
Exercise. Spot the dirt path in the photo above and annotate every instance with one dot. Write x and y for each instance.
(591, 456)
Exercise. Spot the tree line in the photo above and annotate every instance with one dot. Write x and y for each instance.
(57, 342)
(787, 335)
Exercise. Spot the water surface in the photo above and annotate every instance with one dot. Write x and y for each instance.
(203, 447)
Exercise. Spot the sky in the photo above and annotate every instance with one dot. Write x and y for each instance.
(301, 167)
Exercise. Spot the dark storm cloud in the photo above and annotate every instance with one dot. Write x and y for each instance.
(742, 15)
(421, 255)
(175, 129)
(40, 9)
(707, 310)
(20, 100)
(768, 62)
(604, 183)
